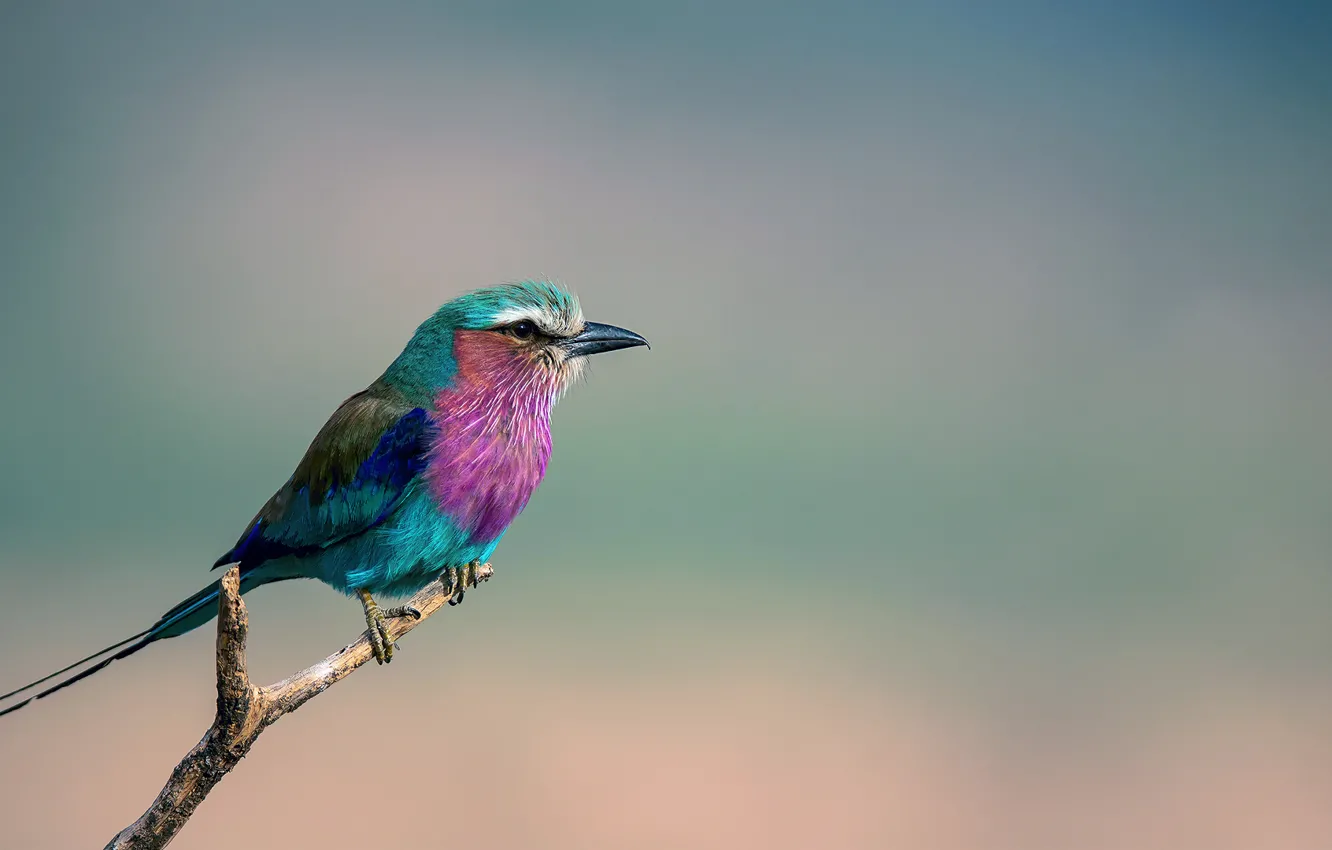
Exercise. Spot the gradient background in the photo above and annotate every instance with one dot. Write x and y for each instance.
(976, 493)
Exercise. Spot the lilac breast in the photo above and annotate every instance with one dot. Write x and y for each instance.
(489, 457)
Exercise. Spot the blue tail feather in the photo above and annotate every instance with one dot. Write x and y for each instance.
(189, 614)
(184, 617)
(49, 676)
(64, 683)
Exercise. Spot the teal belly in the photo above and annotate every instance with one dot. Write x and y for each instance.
(400, 556)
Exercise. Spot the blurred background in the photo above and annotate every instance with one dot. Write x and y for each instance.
(976, 492)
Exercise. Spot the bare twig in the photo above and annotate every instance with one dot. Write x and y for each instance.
(245, 710)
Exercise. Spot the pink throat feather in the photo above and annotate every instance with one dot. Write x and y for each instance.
(494, 434)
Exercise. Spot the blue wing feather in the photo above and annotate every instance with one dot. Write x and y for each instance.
(354, 475)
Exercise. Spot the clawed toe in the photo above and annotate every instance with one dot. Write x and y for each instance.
(380, 641)
(457, 580)
(376, 627)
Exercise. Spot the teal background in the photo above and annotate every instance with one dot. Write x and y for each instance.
(976, 492)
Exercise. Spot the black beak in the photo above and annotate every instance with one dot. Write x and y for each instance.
(597, 338)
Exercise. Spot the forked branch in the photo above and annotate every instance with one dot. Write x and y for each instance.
(245, 710)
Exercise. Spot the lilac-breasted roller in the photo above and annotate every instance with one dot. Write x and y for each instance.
(417, 476)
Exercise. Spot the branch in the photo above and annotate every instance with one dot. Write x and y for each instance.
(245, 710)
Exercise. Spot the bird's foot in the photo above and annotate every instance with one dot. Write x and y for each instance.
(377, 626)
(457, 580)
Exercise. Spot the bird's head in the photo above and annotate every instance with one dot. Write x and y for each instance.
(528, 336)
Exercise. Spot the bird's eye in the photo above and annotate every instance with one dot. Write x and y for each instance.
(523, 329)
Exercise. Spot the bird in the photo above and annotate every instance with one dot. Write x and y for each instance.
(416, 477)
